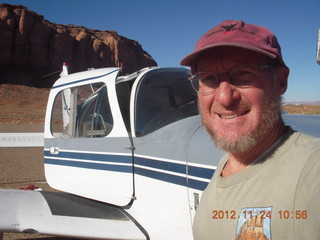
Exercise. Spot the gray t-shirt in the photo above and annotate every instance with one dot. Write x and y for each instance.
(277, 197)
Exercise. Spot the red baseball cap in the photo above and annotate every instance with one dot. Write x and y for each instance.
(237, 34)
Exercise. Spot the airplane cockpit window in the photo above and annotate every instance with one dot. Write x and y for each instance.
(82, 112)
(163, 97)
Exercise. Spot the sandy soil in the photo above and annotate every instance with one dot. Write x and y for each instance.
(22, 104)
(302, 109)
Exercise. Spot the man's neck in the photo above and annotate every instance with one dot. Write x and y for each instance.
(240, 161)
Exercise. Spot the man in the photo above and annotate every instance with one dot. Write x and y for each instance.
(268, 184)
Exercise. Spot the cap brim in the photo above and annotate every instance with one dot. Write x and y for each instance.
(192, 58)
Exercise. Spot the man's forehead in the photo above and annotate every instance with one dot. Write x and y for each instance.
(231, 55)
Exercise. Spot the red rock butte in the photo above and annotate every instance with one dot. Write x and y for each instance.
(32, 48)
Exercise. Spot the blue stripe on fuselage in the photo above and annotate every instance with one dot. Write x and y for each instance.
(111, 162)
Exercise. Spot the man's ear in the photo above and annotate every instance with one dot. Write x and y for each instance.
(282, 83)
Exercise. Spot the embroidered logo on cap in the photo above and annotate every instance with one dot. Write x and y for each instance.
(229, 28)
(232, 27)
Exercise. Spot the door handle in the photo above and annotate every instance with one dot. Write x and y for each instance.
(196, 200)
(54, 150)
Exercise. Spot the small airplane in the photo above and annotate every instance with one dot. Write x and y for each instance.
(129, 155)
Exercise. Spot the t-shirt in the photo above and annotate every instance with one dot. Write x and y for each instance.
(277, 197)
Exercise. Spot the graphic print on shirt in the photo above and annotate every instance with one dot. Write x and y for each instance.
(254, 223)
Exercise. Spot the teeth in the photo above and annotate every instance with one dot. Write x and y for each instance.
(231, 116)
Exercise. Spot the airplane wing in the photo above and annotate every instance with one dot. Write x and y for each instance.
(62, 214)
(21, 140)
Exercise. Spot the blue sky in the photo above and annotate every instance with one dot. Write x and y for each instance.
(169, 29)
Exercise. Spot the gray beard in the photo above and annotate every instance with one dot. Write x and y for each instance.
(245, 143)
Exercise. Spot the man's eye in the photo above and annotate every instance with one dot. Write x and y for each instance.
(243, 78)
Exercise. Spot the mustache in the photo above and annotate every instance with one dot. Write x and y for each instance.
(239, 107)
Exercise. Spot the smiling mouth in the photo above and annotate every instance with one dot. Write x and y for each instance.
(232, 116)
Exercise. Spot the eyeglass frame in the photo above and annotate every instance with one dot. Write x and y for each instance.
(195, 77)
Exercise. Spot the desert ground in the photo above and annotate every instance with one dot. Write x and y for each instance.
(22, 109)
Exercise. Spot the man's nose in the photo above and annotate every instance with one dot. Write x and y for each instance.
(226, 93)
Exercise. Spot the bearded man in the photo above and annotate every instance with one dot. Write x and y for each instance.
(267, 186)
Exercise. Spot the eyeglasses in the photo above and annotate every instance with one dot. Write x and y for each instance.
(241, 76)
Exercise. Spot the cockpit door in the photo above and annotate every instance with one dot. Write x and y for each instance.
(88, 151)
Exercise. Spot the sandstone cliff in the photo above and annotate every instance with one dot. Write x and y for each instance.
(32, 48)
